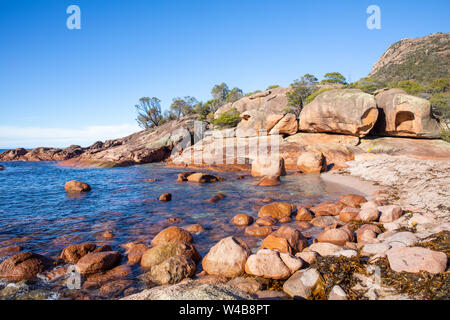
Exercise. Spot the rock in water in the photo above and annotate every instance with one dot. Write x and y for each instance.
(405, 115)
(165, 197)
(311, 162)
(226, 258)
(158, 254)
(75, 252)
(172, 270)
(23, 266)
(268, 166)
(172, 234)
(97, 262)
(76, 187)
(345, 111)
(2, 168)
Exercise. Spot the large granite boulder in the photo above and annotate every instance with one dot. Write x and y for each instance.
(404, 115)
(345, 111)
(273, 99)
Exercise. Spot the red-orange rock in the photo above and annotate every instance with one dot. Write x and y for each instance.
(335, 236)
(349, 214)
(259, 232)
(165, 197)
(352, 200)
(285, 239)
(76, 187)
(269, 181)
(171, 234)
(23, 266)
(135, 252)
(303, 214)
(266, 221)
(242, 220)
(75, 252)
(277, 210)
(333, 208)
(98, 261)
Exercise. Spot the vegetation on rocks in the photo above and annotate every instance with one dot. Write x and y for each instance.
(228, 119)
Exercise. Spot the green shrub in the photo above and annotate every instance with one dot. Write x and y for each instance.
(439, 85)
(409, 86)
(368, 85)
(228, 119)
(272, 86)
(312, 96)
(440, 105)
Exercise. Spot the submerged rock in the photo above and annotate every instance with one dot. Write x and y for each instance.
(242, 220)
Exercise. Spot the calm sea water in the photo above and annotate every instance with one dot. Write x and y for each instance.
(36, 213)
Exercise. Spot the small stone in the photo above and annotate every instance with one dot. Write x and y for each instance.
(374, 249)
(303, 214)
(311, 162)
(334, 236)
(369, 214)
(266, 221)
(242, 220)
(269, 181)
(337, 293)
(272, 264)
(349, 253)
(165, 197)
(390, 213)
(302, 283)
(259, 232)
(194, 228)
(308, 256)
(172, 270)
(352, 200)
(324, 248)
(349, 214)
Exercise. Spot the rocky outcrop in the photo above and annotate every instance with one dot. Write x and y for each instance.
(345, 111)
(404, 115)
(271, 100)
(419, 59)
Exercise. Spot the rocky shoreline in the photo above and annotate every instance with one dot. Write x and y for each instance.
(391, 243)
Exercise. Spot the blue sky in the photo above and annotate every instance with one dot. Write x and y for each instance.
(60, 86)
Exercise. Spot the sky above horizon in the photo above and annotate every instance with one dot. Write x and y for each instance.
(61, 87)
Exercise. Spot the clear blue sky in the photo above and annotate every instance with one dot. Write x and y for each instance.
(61, 86)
